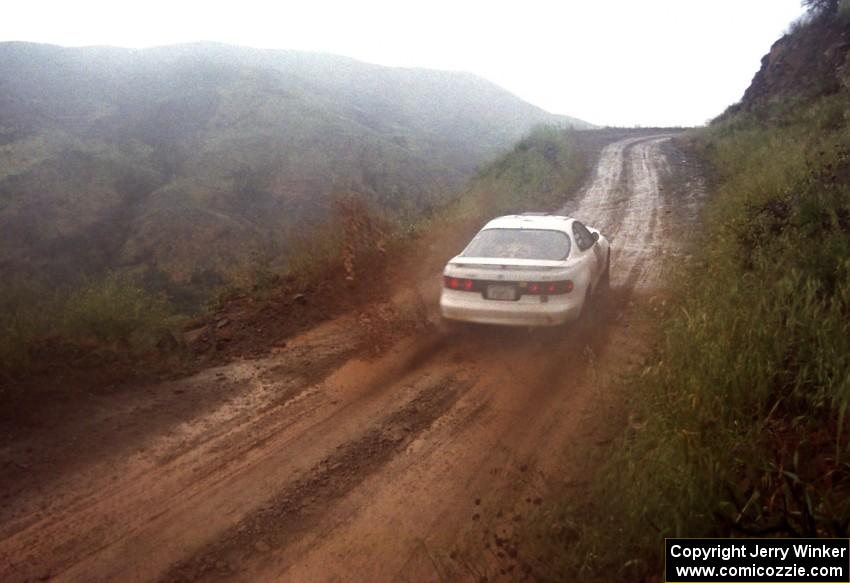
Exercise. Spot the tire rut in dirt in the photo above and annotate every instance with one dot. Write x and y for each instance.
(291, 380)
(142, 425)
(301, 505)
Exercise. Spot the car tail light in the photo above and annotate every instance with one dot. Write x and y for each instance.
(535, 288)
(549, 288)
(459, 283)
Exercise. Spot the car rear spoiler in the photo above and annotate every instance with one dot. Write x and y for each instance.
(503, 263)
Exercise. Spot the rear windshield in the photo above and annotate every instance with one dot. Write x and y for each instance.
(519, 244)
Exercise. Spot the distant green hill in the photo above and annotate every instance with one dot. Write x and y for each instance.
(181, 160)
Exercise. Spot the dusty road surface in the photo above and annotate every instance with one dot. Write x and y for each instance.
(342, 458)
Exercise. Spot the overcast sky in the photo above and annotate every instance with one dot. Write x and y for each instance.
(625, 62)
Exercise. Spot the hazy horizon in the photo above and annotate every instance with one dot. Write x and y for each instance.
(651, 63)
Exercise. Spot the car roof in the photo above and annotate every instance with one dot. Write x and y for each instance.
(531, 221)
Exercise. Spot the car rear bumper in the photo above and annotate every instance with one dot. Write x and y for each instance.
(471, 307)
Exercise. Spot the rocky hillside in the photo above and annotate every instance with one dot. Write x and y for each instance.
(809, 62)
(181, 161)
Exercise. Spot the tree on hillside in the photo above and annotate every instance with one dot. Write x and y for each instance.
(821, 6)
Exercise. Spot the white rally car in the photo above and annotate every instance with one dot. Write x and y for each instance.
(526, 270)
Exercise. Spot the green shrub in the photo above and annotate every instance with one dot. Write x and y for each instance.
(535, 175)
(541, 171)
(113, 313)
(117, 312)
(27, 310)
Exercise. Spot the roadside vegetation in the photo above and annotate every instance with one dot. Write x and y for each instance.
(107, 316)
(535, 175)
(740, 423)
(92, 323)
(124, 315)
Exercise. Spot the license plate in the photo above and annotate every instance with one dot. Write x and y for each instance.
(501, 292)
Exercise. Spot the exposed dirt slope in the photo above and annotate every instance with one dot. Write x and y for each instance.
(805, 64)
(369, 448)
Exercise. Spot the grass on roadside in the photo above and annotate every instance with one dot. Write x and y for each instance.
(111, 314)
(742, 412)
(536, 175)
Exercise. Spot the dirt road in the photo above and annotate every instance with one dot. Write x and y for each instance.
(327, 462)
